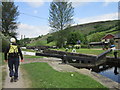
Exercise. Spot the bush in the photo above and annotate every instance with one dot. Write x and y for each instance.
(96, 37)
(4, 42)
(50, 39)
(84, 46)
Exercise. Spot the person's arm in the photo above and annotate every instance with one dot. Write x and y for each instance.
(5, 53)
(20, 52)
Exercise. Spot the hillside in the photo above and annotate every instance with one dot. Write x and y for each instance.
(90, 29)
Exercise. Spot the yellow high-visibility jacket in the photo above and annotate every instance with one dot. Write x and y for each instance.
(13, 49)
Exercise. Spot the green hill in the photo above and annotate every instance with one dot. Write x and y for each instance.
(89, 30)
(90, 27)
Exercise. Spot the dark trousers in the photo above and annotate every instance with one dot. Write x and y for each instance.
(13, 64)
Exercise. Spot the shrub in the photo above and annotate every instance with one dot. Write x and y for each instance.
(4, 42)
(84, 46)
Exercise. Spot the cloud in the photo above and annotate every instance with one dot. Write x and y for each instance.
(112, 16)
(32, 3)
(31, 30)
(31, 0)
(35, 11)
(107, 2)
(35, 4)
(78, 3)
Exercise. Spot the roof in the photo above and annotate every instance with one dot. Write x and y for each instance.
(108, 36)
(95, 43)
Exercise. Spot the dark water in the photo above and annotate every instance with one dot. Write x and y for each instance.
(111, 72)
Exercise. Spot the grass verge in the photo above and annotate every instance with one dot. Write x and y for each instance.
(84, 51)
(4, 73)
(28, 50)
(44, 76)
(2, 59)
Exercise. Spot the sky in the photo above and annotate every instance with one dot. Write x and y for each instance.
(33, 18)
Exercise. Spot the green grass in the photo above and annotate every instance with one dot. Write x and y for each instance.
(28, 50)
(29, 56)
(44, 76)
(41, 41)
(90, 51)
(84, 51)
(4, 73)
(51, 44)
(1, 58)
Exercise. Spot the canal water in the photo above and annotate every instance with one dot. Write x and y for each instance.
(112, 73)
(109, 71)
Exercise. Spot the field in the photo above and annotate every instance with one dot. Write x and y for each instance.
(44, 76)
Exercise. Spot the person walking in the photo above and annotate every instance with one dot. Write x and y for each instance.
(12, 54)
(114, 50)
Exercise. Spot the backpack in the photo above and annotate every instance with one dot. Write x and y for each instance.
(13, 51)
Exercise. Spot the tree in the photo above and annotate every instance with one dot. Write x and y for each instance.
(50, 39)
(24, 42)
(0, 16)
(96, 37)
(73, 37)
(60, 17)
(9, 17)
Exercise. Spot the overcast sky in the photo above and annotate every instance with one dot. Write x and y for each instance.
(84, 12)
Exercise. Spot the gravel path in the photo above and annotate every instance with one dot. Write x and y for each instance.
(21, 83)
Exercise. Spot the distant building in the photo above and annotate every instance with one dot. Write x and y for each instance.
(107, 38)
(95, 43)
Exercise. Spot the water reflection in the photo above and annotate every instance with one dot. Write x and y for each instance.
(115, 71)
(109, 71)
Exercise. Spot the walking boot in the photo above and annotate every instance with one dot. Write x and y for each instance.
(15, 79)
(12, 79)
